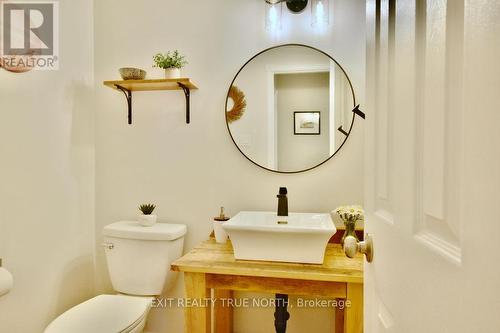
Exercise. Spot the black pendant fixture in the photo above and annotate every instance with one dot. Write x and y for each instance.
(296, 6)
(319, 12)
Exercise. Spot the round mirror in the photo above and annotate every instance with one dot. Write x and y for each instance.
(290, 108)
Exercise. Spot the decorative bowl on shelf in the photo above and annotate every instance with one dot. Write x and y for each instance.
(130, 73)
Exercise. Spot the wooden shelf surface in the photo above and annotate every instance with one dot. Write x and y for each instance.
(150, 85)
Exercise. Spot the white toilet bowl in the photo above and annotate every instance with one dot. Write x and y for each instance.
(104, 314)
(150, 251)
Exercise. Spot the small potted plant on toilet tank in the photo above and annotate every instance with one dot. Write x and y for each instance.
(171, 62)
(147, 218)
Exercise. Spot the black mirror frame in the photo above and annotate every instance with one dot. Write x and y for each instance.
(345, 133)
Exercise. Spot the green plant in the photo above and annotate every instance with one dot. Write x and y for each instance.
(169, 60)
(147, 209)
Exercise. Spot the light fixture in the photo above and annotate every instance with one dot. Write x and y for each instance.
(296, 6)
(319, 11)
(273, 15)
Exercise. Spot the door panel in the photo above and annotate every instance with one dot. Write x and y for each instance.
(439, 27)
(431, 204)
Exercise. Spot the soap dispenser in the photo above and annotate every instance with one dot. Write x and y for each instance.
(220, 233)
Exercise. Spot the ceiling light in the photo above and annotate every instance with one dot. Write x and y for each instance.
(296, 6)
(273, 15)
(319, 11)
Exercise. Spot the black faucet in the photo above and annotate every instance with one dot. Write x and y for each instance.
(282, 202)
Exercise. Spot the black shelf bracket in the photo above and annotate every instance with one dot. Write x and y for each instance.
(187, 93)
(128, 96)
(358, 112)
(341, 130)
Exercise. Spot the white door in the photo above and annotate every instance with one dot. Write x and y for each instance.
(433, 166)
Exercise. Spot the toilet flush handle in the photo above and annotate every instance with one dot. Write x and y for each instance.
(109, 246)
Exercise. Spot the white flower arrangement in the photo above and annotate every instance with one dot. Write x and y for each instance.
(350, 213)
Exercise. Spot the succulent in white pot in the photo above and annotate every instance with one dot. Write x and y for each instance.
(171, 62)
(147, 218)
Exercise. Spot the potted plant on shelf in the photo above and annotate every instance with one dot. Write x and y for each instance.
(147, 218)
(171, 62)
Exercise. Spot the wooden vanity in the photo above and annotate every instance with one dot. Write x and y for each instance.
(213, 266)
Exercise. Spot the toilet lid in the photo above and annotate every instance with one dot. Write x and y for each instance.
(102, 314)
(133, 230)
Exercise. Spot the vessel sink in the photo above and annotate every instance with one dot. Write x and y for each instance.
(299, 237)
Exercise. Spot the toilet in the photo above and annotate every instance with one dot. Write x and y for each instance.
(138, 260)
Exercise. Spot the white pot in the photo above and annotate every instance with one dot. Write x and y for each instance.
(147, 220)
(172, 73)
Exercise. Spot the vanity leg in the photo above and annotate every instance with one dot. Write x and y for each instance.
(281, 314)
(353, 319)
(197, 317)
(339, 319)
(223, 312)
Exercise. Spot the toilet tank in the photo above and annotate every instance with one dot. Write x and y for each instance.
(139, 258)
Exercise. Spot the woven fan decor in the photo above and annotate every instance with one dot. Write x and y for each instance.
(239, 104)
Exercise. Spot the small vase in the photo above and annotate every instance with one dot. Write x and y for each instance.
(147, 220)
(172, 73)
(350, 230)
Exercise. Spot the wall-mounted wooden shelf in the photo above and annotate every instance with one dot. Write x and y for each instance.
(128, 86)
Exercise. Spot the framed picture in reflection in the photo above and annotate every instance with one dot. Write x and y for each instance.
(307, 123)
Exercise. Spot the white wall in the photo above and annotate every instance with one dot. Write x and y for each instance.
(342, 104)
(190, 170)
(47, 180)
(302, 92)
(251, 132)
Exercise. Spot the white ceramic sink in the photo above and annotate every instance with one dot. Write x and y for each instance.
(299, 237)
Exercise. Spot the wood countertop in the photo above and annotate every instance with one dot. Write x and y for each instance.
(213, 258)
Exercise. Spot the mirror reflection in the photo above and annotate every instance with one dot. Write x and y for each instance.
(289, 108)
